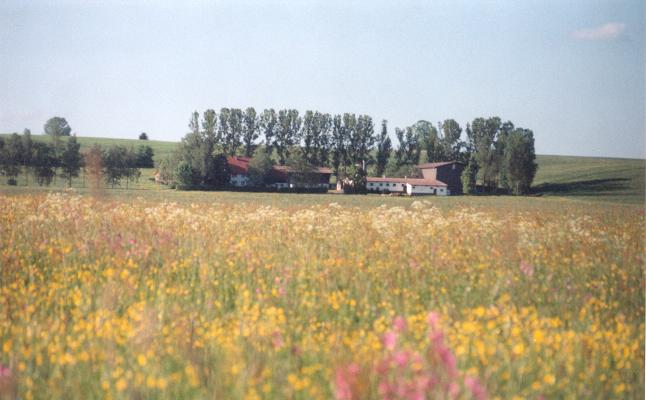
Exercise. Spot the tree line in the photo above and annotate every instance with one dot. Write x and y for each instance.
(46, 160)
(497, 154)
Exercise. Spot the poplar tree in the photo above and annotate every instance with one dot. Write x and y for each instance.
(384, 147)
(249, 131)
(268, 124)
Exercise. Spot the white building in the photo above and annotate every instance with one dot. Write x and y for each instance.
(409, 186)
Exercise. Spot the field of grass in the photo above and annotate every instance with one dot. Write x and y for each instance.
(165, 295)
(591, 178)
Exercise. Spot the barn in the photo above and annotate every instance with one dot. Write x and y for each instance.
(448, 172)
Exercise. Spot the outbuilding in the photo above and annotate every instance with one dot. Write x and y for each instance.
(409, 186)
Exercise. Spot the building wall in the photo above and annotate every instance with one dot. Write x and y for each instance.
(451, 175)
(412, 190)
(239, 180)
(430, 173)
(383, 186)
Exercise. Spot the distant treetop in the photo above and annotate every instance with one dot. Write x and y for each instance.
(143, 136)
(57, 126)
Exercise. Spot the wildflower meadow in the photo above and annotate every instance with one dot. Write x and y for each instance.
(149, 299)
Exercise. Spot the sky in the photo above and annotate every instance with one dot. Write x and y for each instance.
(572, 71)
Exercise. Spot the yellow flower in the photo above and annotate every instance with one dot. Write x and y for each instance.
(519, 349)
(121, 384)
(549, 379)
(141, 360)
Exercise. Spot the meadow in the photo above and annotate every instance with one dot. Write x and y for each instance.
(168, 295)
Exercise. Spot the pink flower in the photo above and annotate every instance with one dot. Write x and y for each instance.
(399, 324)
(390, 340)
(526, 268)
(433, 319)
(345, 378)
(475, 388)
(401, 358)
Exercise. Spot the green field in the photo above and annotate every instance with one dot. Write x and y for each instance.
(591, 178)
(586, 178)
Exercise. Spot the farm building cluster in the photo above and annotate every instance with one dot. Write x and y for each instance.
(281, 176)
(441, 179)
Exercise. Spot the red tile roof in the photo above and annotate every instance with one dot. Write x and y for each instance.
(238, 165)
(412, 181)
(437, 164)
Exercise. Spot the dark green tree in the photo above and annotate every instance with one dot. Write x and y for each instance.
(484, 133)
(57, 127)
(339, 143)
(71, 160)
(268, 124)
(287, 133)
(224, 130)
(218, 173)
(322, 139)
(250, 131)
(308, 133)
(384, 147)
(144, 157)
(143, 136)
(43, 163)
(519, 160)
(469, 176)
(115, 164)
(233, 138)
(186, 176)
(27, 153)
(400, 151)
(12, 158)
(302, 172)
(260, 168)
(131, 171)
(451, 132)
(363, 140)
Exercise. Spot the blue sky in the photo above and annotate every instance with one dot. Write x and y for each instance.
(572, 71)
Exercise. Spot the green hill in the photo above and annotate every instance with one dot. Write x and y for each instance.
(160, 148)
(590, 178)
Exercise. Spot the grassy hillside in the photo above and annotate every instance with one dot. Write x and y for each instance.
(589, 178)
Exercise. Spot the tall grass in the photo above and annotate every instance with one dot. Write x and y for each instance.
(141, 298)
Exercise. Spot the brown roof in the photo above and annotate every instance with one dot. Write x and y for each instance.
(238, 165)
(437, 164)
(412, 181)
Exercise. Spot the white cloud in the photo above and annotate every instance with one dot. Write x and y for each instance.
(609, 31)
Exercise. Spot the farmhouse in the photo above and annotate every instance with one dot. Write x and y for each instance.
(239, 167)
(409, 186)
(449, 172)
(282, 177)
